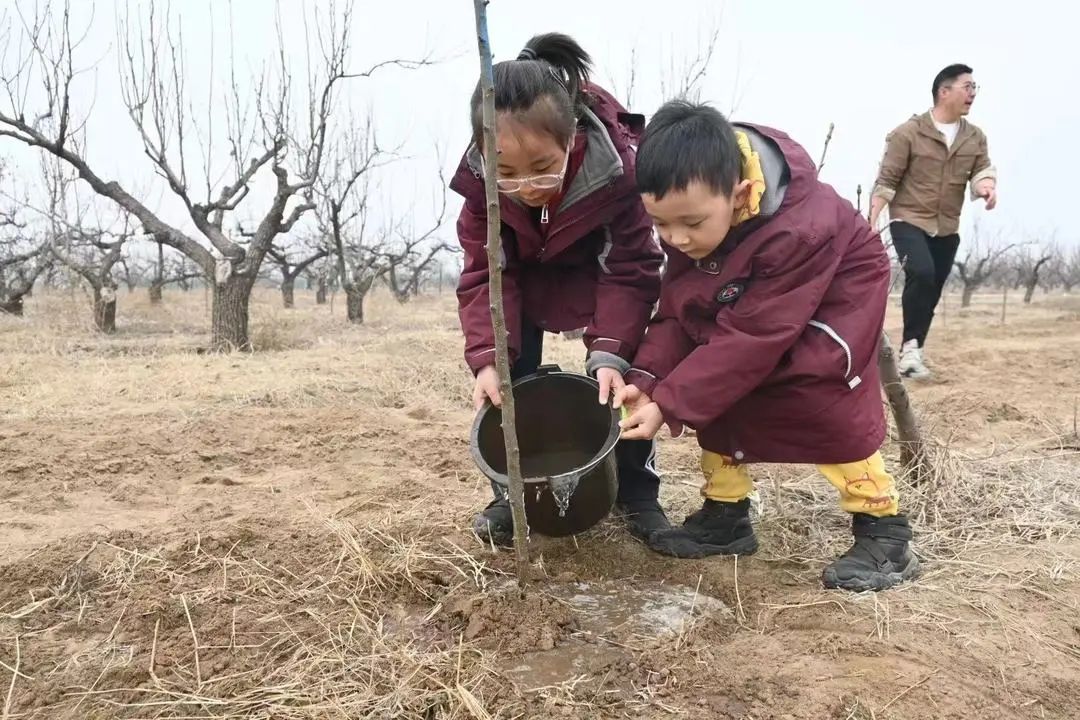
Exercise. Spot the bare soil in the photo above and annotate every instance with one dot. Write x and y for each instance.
(284, 534)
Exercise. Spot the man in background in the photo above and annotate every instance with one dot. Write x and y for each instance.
(929, 161)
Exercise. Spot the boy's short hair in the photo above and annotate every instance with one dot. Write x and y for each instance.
(684, 142)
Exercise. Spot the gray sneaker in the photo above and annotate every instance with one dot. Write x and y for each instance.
(911, 361)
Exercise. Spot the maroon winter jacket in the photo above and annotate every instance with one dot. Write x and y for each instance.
(595, 265)
(768, 347)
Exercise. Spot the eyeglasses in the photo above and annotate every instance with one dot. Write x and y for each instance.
(539, 182)
(969, 87)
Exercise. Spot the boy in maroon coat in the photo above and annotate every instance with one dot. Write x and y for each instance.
(766, 337)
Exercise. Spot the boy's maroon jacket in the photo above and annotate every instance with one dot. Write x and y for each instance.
(768, 347)
(595, 265)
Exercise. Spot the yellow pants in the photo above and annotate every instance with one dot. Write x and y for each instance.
(864, 486)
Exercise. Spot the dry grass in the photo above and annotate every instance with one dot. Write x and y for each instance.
(56, 364)
(238, 633)
(278, 534)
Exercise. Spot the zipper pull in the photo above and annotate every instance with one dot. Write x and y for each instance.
(544, 215)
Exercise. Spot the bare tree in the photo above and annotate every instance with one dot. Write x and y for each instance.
(90, 251)
(19, 270)
(263, 132)
(414, 256)
(983, 259)
(291, 266)
(682, 79)
(627, 95)
(321, 276)
(22, 260)
(132, 272)
(92, 256)
(343, 213)
(1067, 269)
(1030, 264)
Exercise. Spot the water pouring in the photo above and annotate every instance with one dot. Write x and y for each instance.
(567, 442)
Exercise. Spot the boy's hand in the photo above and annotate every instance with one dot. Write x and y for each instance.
(645, 418)
(644, 422)
(630, 396)
(611, 381)
(487, 387)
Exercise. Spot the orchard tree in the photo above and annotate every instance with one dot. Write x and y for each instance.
(985, 257)
(249, 134)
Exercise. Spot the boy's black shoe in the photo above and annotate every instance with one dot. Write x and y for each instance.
(495, 524)
(716, 529)
(643, 518)
(880, 558)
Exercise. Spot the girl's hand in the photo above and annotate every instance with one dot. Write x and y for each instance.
(611, 381)
(487, 388)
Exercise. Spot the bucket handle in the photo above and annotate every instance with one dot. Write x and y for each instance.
(547, 370)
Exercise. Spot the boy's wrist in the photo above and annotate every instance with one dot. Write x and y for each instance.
(643, 380)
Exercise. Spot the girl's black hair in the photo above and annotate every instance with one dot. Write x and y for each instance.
(544, 87)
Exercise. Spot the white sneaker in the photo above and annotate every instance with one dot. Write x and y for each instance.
(911, 361)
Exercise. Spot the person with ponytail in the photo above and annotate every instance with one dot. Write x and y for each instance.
(579, 250)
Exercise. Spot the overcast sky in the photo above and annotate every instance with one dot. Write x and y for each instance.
(797, 66)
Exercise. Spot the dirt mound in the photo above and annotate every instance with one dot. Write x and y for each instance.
(505, 621)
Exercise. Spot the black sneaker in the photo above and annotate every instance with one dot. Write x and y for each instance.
(643, 518)
(716, 529)
(495, 525)
(880, 558)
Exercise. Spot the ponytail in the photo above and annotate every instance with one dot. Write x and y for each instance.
(551, 68)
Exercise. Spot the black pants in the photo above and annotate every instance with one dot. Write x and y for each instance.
(638, 480)
(927, 263)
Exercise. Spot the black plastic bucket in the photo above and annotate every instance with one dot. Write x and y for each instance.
(564, 435)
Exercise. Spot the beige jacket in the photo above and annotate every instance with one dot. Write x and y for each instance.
(923, 181)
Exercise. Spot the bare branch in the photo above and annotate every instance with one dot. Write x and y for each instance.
(53, 66)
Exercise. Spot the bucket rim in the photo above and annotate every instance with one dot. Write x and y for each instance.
(601, 455)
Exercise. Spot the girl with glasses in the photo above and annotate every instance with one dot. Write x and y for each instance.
(579, 249)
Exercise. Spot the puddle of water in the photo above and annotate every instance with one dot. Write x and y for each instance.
(612, 610)
(568, 661)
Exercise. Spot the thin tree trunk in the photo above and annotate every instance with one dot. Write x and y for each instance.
(105, 309)
(912, 448)
(229, 314)
(288, 287)
(159, 276)
(320, 291)
(1029, 292)
(965, 299)
(498, 318)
